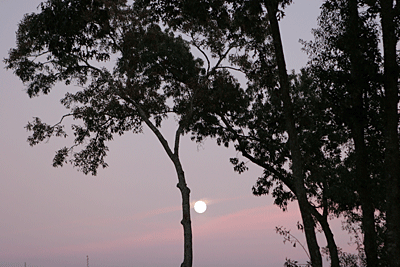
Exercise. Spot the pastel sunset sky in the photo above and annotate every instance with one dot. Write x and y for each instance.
(129, 214)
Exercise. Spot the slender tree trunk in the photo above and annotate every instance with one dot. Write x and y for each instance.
(363, 182)
(358, 124)
(392, 161)
(185, 191)
(323, 221)
(364, 190)
(308, 222)
(333, 251)
(186, 222)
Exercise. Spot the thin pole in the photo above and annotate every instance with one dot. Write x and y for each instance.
(87, 261)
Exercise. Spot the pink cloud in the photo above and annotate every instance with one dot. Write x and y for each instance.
(256, 223)
(259, 218)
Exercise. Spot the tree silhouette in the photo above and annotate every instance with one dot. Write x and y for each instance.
(155, 75)
(326, 137)
(355, 75)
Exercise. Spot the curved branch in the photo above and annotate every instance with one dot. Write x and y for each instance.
(256, 161)
(39, 55)
(182, 124)
(201, 51)
(152, 127)
(222, 57)
(284, 232)
(231, 68)
(62, 118)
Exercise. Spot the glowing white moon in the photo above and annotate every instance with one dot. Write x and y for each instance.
(200, 206)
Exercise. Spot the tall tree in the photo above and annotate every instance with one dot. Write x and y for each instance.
(348, 56)
(251, 29)
(353, 83)
(294, 146)
(357, 87)
(70, 41)
(390, 14)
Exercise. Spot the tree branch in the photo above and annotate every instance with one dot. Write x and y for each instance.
(201, 50)
(256, 161)
(231, 68)
(152, 127)
(222, 57)
(182, 124)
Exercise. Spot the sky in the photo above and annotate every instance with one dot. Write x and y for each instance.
(129, 214)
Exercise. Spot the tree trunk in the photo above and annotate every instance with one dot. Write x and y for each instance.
(308, 222)
(186, 222)
(333, 251)
(323, 221)
(358, 128)
(363, 182)
(358, 123)
(392, 161)
(185, 191)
